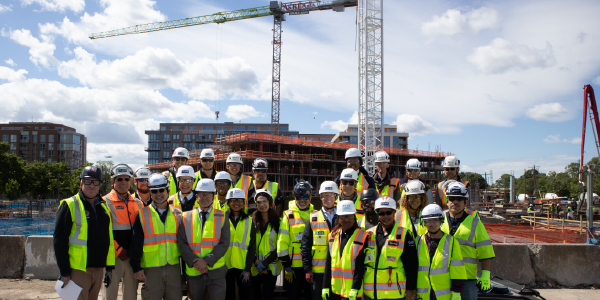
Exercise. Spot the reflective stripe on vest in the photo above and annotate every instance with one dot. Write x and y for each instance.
(389, 189)
(361, 184)
(343, 264)
(386, 275)
(437, 275)
(217, 204)
(403, 219)
(320, 243)
(122, 221)
(175, 202)
(201, 239)
(172, 184)
(244, 184)
(264, 247)
(160, 240)
(238, 245)
(197, 178)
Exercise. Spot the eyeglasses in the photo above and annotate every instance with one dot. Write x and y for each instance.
(221, 182)
(368, 201)
(94, 182)
(385, 213)
(205, 195)
(179, 159)
(345, 216)
(449, 169)
(237, 200)
(303, 198)
(207, 160)
(187, 180)
(142, 179)
(261, 202)
(159, 191)
(327, 196)
(260, 171)
(121, 179)
(347, 182)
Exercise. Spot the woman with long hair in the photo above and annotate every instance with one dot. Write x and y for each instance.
(411, 206)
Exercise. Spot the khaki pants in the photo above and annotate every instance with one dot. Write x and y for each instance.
(122, 271)
(162, 282)
(89, 281)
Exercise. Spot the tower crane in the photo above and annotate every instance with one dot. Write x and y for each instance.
(370, 46)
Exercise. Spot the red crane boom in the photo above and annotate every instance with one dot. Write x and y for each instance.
(589, 100)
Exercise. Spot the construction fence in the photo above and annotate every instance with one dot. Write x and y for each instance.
(27, 226)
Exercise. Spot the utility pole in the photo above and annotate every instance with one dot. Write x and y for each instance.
(590, 197)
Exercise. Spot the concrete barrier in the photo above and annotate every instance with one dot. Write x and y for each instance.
(567, 265)
(12, 259)
(40, 261)
(513, 263)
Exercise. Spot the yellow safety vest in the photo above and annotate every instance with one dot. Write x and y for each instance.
(244, 184)
(172, 184)
(238, 246)
(264, 247)
(474, 241)
(78, 237)
(387, 276)
(175, 202)
(446, 265)
(320, 242)
(160, 240)
(403, 219)
(344, 265)
(291, 231)
(272, 187)
(389, 189)
(217, 204)
(202, 241)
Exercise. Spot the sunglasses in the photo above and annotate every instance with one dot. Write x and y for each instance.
(142, 179)
(260, 171)
(449, 169)
(159, 191)
(237, 200)
(367, 201)
(303, 198)
(385, 213)
(346, 216)
(207, 160)
(121, 179)
(452, 199)
(94, 182)
(347, 182)
(187, 180)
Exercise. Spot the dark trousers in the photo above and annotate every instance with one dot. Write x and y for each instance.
(263, 286)
(317, 286)
(244, 289)
(299, 284)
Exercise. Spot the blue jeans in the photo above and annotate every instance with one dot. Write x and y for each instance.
(470, 291)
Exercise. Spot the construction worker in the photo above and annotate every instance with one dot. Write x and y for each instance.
(348, 181)
(180, 157)
(367, 200)
(185, 198)
(345, 264)
(142, 193)
(124, 209)
(354, 161)
(469, 231)
(315, 239)
(259, 176)
(386, 185)
(451, 168)
(154, 252)
(289, 241)
(441, 272)
(570, 212)
(267, 266)
(241, 254)
(222, 184)
(390, 258)
(411, 206)
(207, 166)
(413, 172)
(83, 240)
(203, 239)
(238, 179)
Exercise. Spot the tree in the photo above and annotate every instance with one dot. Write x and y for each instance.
(12, 189)
(503, 181)
(11, 165)
(75, 178)
(106, 166)
(474, 179)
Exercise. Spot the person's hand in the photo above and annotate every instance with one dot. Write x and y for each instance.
(484, 281)
(289, 274)
(245, 277)
(107, 279)
(455, 296)
(409, 294)
(124, 255)
(325, 294)
(203, 271)
(65, 280)
(199, 263)
(260, 267)
(309, 276)
(139, 275)
(352, 294)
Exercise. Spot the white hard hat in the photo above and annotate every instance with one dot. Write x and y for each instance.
(432, 211)
(264, 192)
(206, 185)
(158, 181)
(234, 158)
(412, 164)
(207, 152)
(349, 174)
(260, 164)
(235, 193)
(456, 189)
(185, 171)
(143, 172)
(451, 162)
(346, 207)
(382, 156)
(181, 152)
(385, 202)
(222, 176)
(329, 187)
(353, 152)
(414, 187)
(121, 169)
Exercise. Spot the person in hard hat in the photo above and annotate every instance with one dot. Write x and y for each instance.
(570, 213)
(345, 264)
(413, 172)
(451, 166)
(154, 254)
(390, 257)
(260, 167)
(411, 206)
(289, 241)
(348, 181)
(441, 273)
(142, 193)
(267, 266)
(83, 240)
(203, 239)
(180, 157)
(367, 200)
(234, 165)
(241, 254)
(185, 198)
(354, 161)
(123, 208)
(315, 239)
(207, 166)
(223, 185)
(386, 185)
(466, 227)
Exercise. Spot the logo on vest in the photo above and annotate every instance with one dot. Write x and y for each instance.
(320, 233)
(391, 258)
(393, 243)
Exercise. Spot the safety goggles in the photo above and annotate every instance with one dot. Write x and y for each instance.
(121, 179)
(348, 182)
(368, 201)
(179, 159)
(159, 191)
(142, 179)
(449, 169)
(187, 180)
(385, 213)
(207, 160)
(94, 182)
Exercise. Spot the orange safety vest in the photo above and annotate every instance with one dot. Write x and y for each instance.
(244, 184)
(123, 215)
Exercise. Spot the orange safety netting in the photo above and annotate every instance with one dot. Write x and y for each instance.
(500, 233)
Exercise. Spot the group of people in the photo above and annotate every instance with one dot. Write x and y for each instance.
(218, 234)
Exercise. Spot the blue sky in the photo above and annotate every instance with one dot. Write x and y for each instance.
(497, 83)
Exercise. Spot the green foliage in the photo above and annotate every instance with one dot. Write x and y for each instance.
(474, 179)
(12, 189)
(106, 166)
(11, 165)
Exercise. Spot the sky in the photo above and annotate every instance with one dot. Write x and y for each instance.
(497, 83)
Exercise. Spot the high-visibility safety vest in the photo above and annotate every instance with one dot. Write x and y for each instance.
(243, 183)
(217, 204)
(79, 235)
(172, 182)
(264, 246)
(160, 240)
(362, 221)
(320, 242)
(122, 215)
(447, 264)
(272, 187)
(238, 245)
(198, 177)
(344, 265)
(291, 230)
(442, 189)
(175, 202)
(203, 240)
(389, 189)
(385, 276)
(403, 219)
(474, 241)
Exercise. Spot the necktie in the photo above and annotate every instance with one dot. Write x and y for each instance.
(204, 217)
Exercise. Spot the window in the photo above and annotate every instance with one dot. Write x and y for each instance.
(34, 147)
(201, 146)
(42, 154)
(210, 128)
(51, 138)
(152, 155)
(166, 137)
(42, 138)
(5, 137)
(266, 128)
(325, 139)
(153, 137)
(393, 130)
(153, 146)
(166, 145)
(354, 140)
(58, 128)
(386, 141)
(45, 128)
(42, 146)
(218, 128)
(252, 128)
(33, 154)
(312, 139)
(166, 154)
(23, 154)
(352, 129)
(187, 138)
(283, 128)
(162, 128)
(192, 128)
(50, 146)
(13, 146)
(50, 154)
(175, 146)
(152, 161)
(176, 137)
(24, 138)
(35, 138)
(13, 138)
(238, 128)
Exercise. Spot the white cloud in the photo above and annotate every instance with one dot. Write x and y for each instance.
(414, 125)
(518, 164)
(340, 125)
(12, 75)
(551, 112)
(455, 22)
(4, 8)
(42, 53)
(501, 56)
(240, 112)
(554, 139)
(596, 80)
(57, 5)
(10, 62)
